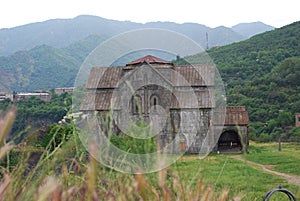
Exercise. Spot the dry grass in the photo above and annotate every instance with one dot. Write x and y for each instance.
(66, 175)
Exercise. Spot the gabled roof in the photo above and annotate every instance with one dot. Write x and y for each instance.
(137, 75)
(151, 70)
(149, 59)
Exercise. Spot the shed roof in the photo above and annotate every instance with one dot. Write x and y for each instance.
(235, 115)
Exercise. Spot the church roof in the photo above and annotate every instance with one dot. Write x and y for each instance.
(149, 59)
(194, 75)
(104, 77)
(103, 81)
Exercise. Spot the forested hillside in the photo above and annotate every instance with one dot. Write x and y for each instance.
(263, 74)
(44, 67)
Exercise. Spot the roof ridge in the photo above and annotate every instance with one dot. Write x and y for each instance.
(149, 59)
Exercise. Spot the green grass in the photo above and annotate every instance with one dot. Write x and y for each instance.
(286, 161)
(68, 173)
(217, 171)
(222, 171)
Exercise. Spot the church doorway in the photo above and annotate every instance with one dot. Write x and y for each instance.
(229, 141)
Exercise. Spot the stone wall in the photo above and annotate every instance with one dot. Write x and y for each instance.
(191, 127)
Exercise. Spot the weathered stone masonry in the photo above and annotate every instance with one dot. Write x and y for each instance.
(178, 100)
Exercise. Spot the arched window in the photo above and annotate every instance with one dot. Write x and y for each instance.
(136, 103)
(154, 101)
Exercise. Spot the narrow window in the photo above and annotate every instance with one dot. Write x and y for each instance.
(136, 104)
(136, 108)
(154, 101)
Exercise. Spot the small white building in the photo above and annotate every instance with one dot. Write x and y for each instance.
(43, 96)
(5, 95)
(62, 90)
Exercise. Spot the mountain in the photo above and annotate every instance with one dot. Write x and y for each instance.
(218, 36)
(44, 67)
(250, 29)
(60, 33)
(263, 73)
(58, 47)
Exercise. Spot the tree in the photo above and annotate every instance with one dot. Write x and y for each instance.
(285, 119)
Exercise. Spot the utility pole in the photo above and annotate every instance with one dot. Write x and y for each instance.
(279, 143)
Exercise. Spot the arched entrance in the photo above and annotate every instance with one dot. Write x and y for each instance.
(229, 141)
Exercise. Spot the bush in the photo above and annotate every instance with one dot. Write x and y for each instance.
(264, 137)
(133, 145)
(294, 134)
(56, 134)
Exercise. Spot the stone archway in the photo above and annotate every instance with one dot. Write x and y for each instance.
(230, 141)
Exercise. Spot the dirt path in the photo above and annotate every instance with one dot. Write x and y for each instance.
(292, 179)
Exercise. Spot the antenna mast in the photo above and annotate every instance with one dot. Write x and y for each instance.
(206, 41)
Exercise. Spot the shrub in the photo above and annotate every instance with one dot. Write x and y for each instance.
(56, 135)
(133, 145)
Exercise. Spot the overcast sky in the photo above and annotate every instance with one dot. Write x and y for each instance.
(211, 13)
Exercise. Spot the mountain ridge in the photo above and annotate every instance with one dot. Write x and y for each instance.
(63, 32)
(44, 67)
(252, 28)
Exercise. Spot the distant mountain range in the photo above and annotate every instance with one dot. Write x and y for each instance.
(250, 29)
(60, 33)
(48, 54)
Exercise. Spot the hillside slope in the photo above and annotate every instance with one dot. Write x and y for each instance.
(44, 67)
(262, 73)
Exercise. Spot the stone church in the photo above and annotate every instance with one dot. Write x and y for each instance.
(178, 102)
